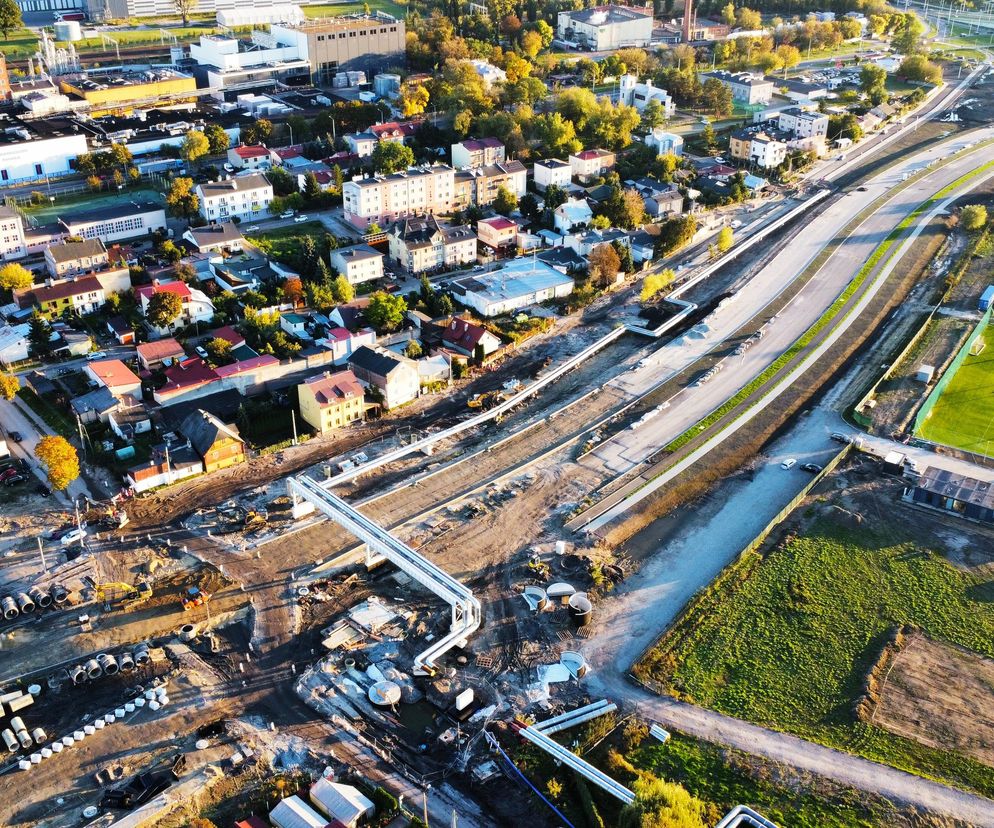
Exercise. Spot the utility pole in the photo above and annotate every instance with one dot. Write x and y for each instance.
(82, 439)
(293, 417)
(75, 503)
(41, 551)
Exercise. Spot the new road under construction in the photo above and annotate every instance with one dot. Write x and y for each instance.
(429, 620)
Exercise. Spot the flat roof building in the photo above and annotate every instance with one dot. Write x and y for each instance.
(519, 283)
(123, 91)
(123, 220)
(606, 27)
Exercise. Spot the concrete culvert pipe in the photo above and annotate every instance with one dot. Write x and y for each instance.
(108, 662)
(77, 673)
(93, 669)
(42, 599)
(187, 632)
(141, 654)
(17, 724)
(60, 595)
(10, 740)
(25, 739)
(126, 662)
(9, 607)
(24, 602)
(39, 735)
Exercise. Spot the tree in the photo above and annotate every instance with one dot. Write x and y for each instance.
(554, 196)
(920, 68)
(600, 222)
(653, 115)
(872, 82)
(603, 265)
(385, 311)
(973, 216)
(218, 351)
(60, 461)
(531, 44)
(413, 349)
(312, 189)
(258, 132)
(163, 308)
(655, 282)
(844, 126)
(505, 202)
(39, 336)
(9, 385)
(185, 7)
(217, 139)
(94, 183)
(528, 205)
(120, 155)
(413, 99)
(10, 17)
(170, 252)
(716, 98)
(728, 14)
(195, 145)
(181, 200)
(342, 290)
(748, 19)
(546, 32)
(660, 804)
(15, 277)
(787, 57)
(725, 240)
(908, 36)
(293, 290)
(392, 156)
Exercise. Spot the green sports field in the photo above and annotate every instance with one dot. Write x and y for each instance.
(963, 416)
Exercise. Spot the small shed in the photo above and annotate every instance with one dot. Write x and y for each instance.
(341, 802)
(986, 298)
(925, 373)
(293, 812)
(894, 462)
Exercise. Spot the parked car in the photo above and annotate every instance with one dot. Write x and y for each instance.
(301, 218)
(73, 536)
(814, 468)
(8, 473)
(253, 229)
(16, 436)
(228, 168)
(43, 490)
(839, 437)
(14, 480)
(287, 214)
(13, 463)
(201, 352)
(96, 355)
(789, 463)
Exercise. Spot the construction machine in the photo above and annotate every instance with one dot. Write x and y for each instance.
(195, 597)
(126, 594)
(256, 519)
(487, 400)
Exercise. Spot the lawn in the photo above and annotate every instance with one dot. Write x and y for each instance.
(57, 420)
(283, 243)
(397, 9)
(22, 43)
(83, 202)
(963, 415)
(786, 640)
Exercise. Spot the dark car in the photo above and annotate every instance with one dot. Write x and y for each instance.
(14, 479)
(814, 468)
(13, 463)
(43, 490)
(16, 436)
(8, 473)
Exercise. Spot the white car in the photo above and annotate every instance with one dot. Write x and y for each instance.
(253, 229)
(73, 536)
(229, 168)
(96, 355)
(287, 214)
(300, 219)
(788, 464)
(201, 352)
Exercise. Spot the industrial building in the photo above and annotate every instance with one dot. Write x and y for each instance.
(518, 284)
(119, 91)
(227, 64)
(606, 27)
(956, 493)
(366, 43)
(55, 145)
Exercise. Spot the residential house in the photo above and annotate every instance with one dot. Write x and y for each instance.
(127, 421)
(115, 376)
(477, 152)
(80, 295)
(296, 324)
(218, 445)
(255, 157)
(394, 376)
(584, 241)
(421, 244)
(574, 212)
(246, 197)
(168, 464)
(343, 342)
(216, 238)
(490, 73)
(383, 199)
(497, 233)
(590, 164)
(12, 244)
(468, 338)
(361, 144)
(803, 124)
(480, 186)
(71, 257)
(183, 378)
(196, 307)
(358, 263)
(331, 400)
(14, 343)
(118, 327)
(160, 353)
(660, 199)
(399, 131)
(767, 152)
(663, 142)
(551, 172)
(94, 406)
(747, 89)
(229, 335)
(637, 94)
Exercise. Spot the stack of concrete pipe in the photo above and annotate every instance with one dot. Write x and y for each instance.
(105, 664)
(24, 603)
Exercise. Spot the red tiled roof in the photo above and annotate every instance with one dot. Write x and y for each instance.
(590, 155)
(113, 373)
(252, 822)
(181, 289)
(329, 389)
(160, 349)
(254, 151)
(187, 374)
(463, 333)
(498, 223)
(404, 128)
(228, 334)
(64, 290)
(246, 365)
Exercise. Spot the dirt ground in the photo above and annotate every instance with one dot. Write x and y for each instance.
(940, 696)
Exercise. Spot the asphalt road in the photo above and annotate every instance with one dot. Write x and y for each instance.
(628, 449)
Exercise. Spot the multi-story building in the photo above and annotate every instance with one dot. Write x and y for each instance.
(126, 220)
(329, 401)
(551, 172)
(366, 43)
(590, 164)
(477, 152)
(420, 244)
(383, 199)
(636, 94)
(746, 88)
(479, 187)
(5, 91)
(361, 144)
(602, 28)
(217, 444)
(11, 234)
(394, 376)
(227, 62)
(75, 257)
(757, 148)
(82, 295)
(32, 150)
(255, 157)
(358, 263)
(663, 142)
(243, 197)
(804, 124)
(497, 232)
(123, 91)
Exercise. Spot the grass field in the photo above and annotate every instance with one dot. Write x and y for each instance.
(335, 9)
(963, 416)
(785, 640)
(283, 242)
(82, 202)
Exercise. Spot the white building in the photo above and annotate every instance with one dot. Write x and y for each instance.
(477, 152)
(126, 220)
(590, 164)
(664, 142)
(606, 27)
(636, 94)
(14, 344)
(551, 172)
(383, 199)
(804, 124)
(419, 244)
(293, 812)
(361, 144)
(767, 152)
(342, 802)
(518, 284)
(11, 234)
(358, 263)
(264, 56)
(490, 73)
(244, 197)
(28, 154)
(572, 213)
(195, 306)
(746, 88)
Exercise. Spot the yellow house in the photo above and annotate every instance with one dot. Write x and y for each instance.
(330, 401)
(217, 444)
(121, 92)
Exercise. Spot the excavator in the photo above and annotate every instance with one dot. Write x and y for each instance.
(127, 594)
(487, 400)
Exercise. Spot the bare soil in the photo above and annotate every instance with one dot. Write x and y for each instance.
(941, 696)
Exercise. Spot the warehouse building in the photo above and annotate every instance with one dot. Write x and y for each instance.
(606, 27)
(54, 146)
(518, 284)
(125, 220)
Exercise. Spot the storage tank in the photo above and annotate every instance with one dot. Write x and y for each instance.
(108, 663)
(42, 599)
(24, 603)
(68, 31)
(580, 609)
(385, 693)
(9, 607)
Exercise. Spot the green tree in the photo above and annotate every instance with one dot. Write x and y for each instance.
(653, 115)
(170, 252)
(505, 202)
(195, 146)
(546, 32)
(258, 132)
(972, 217)
(39, 336)
(181, 200)
(725, 239)
(385, 311)
(728, 14)
(919, 68)
(413, 99)
(528, 205)
(413, 349)
(15, 277)
(716, 98)
(873, 83)
(59, 459)
(120, 155)
(9, 385)
(312, 189)
(908, 36)
(342, 289)
(392, 156)
(218, 351)
(660, 804)
(787, 57)
(554, 196)
(844, 126)
(217, 139)
(163, 309)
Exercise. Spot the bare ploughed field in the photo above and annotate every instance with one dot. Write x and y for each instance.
(941, 696)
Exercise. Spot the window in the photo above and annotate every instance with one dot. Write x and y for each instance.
(321, 37)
